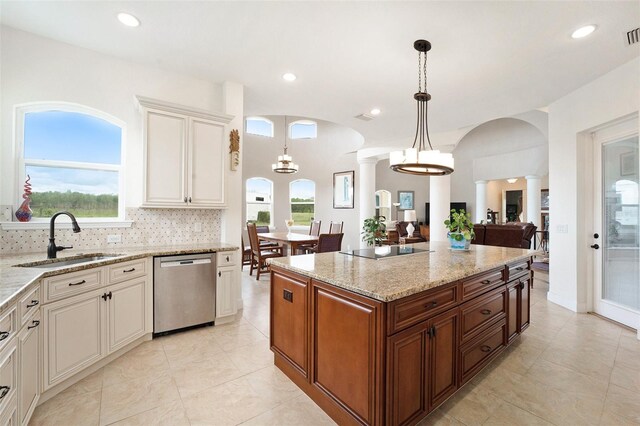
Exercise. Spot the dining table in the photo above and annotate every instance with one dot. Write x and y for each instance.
(290, 239)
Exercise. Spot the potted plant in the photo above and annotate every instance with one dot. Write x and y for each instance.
(374, 230)
(460, 229)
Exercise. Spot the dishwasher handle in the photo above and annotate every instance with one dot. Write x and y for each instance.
(186, 262)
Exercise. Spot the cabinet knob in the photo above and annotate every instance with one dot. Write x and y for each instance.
(189, 199)
(35, 324)
(219, 273)
(185, 199)
(227, 258)
(4, 390)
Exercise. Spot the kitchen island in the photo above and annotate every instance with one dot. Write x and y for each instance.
(387, 340)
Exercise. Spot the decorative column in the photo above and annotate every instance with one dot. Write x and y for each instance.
(534, 186)
(366, 191)
(439, 206)
(481, 201)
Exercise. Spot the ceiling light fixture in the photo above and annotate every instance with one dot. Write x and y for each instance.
(128, 19)
(289, 76)
(512, 180)
(375, 111)
(285, 163)
(418, 160)
(583, 31)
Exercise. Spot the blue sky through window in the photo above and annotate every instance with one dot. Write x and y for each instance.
(303, 189)
(303, 131)
(259, 126)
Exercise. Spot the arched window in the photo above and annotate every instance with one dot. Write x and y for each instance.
(259, 126)
(260, 201)
(302, 194)
(72, 156)
(303, 129)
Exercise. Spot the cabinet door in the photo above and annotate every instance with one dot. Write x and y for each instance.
(513, 296)
(226, 283)
(165, 151)
(73, 336)
(207, 151)
(289, 309)
(443, 349)
(406, 374)
(126, 313)
(29, 368)
(525, 307)
(8, 376)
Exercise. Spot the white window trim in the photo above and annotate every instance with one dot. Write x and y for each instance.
(291, 203)
(270, 204)
(306, 123)
(19, 113)
(257, 118)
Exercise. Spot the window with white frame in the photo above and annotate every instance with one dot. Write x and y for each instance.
(72, 157)
(259, 126)
(260, 201)
(302, 194)
(303, 129)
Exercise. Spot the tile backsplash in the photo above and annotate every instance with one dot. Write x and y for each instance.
(151, 227)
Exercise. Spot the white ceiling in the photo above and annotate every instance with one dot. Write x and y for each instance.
(489, 59)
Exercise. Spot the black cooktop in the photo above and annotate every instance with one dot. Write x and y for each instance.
(385, 252)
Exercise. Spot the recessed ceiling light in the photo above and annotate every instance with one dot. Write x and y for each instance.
(583, 31)
(375, 111)
(289, 76)
(128, 19)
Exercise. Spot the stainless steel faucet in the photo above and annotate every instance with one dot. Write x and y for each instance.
(52, 249)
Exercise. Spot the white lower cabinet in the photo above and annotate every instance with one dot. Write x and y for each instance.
(8, 376)
(9, 415)
(126, 313)
(29, 368)
(226, 283)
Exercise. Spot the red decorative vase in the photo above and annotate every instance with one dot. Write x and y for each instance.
(24, 213)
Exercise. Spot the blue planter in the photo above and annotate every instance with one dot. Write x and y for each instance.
(458, 242)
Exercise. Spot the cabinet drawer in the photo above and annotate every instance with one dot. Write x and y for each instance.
(8, 326)
(476, 354)
(8, 375)
(9, 414)
(126, 270)
(29, 304)
(71, 284)
(482, 283)
(412, 310)
(476, 315)
(226, 258)
(518, 269)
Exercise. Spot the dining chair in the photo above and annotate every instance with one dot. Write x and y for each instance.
(328, 243)
(335, 227)
(314, 230)
(246, 253)
(259, 255)
(264, 229)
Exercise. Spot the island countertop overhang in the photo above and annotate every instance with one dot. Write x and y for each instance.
(391, 279)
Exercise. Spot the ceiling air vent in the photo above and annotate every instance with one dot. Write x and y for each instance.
(633, 36)
(364, 117)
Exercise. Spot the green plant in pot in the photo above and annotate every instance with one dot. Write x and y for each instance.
(460, 229)
(374, 230)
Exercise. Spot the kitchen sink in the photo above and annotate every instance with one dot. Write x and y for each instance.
(68, 261)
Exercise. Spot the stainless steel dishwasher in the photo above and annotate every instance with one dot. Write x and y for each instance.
(184, 291)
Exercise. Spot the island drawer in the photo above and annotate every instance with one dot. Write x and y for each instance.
(8, 326)
(226, 258)
(8, 375)
(482, 283)
(411, 310)
(478, 314)
(477, 353)
(66, 285)
(517, 269)
(28, 304)
(124, 271)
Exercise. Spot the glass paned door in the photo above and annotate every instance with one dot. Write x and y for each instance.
(618, 258)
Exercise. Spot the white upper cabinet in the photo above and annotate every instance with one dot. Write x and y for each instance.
(186, 156)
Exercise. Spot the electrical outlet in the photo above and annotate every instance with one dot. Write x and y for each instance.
(114, 238)
(562, 229)
(197, 227)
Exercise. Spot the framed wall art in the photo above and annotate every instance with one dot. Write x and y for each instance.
(405, 198)
(343, 189)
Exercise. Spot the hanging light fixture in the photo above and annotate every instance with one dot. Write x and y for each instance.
(418, 160)
(285, 163)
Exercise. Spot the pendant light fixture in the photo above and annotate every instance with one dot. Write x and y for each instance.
(418, 160)
(285, 163)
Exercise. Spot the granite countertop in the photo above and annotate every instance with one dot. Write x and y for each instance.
(393, 278)
(15, 280)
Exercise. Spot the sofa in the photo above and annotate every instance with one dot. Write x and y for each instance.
(420, 233)
(512, 234)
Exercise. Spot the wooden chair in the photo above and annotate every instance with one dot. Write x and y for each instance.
(335, 227)
(314, 230)
(328, 243)
(246, 253)
(264, 229)
(259, 255)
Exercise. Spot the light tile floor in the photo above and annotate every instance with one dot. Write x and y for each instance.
(566, 369)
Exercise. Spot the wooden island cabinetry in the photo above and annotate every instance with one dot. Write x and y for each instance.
(368, 361)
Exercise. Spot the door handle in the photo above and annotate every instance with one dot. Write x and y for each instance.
(595, 246)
